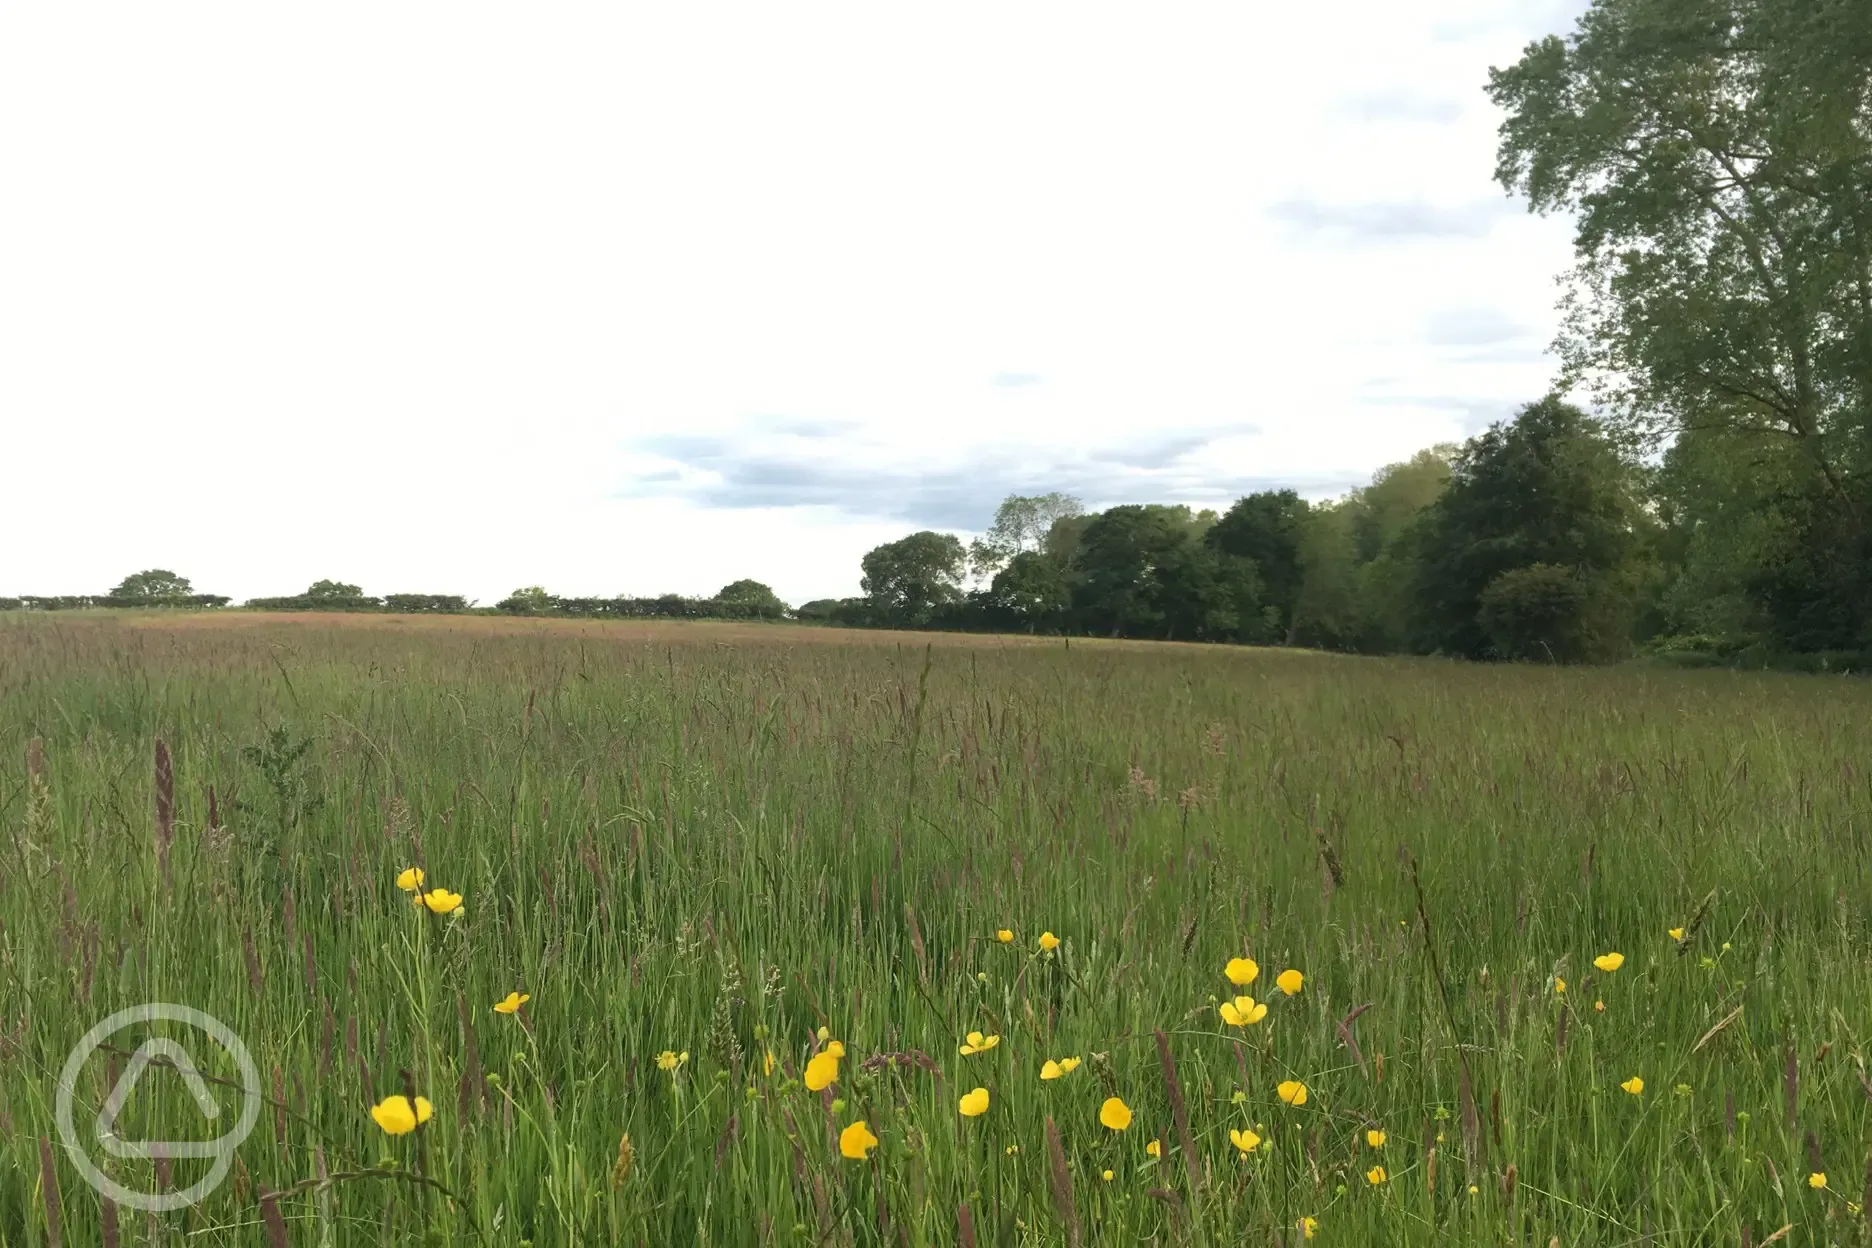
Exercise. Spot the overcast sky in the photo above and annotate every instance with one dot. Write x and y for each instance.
(637, 298)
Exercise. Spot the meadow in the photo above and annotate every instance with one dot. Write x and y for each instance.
(1581, 954)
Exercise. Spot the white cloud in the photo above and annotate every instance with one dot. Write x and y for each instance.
(413, 294)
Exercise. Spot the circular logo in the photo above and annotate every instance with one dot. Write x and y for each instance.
(175, 1056)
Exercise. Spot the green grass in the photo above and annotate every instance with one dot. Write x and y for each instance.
(719, 839)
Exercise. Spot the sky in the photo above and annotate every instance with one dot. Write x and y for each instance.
(635, 299)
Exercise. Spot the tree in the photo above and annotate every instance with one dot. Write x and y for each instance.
(1550, 487)
(1141, 571)
(1266, 528)
(531, 600)
(325, 591)
(1718, 154)
(155, 585)
(1033, 592)
(753, 598)
(1021, 524)
(908, 579)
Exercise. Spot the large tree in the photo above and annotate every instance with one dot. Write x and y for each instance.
(154, 585)
(1021, 524)
(1718, 155)
(907, 580)
(1548, 488)
(1143, 571)
(1266, 528)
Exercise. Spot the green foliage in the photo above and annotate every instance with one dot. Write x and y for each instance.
(157, 585)
(1021, 525)
(754, 598)
(908, 580)
(1267, 529)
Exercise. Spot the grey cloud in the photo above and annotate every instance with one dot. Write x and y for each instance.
(964, 497)
(1395, 221)
(1403, 104)
(1014, 381)
(1472, 327)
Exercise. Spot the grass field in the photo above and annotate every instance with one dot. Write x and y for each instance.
(739, 844)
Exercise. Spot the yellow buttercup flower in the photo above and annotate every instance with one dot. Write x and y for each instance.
(975, 1104)
(1289, 982)
(1241, 971)
(1242, 1011)
(439, 900)
(1051, 1070)
(1115, 1114)
(1599, 1006)
(1108, 1176)
(768, 1063)
(822, 1070)
(1609, 962)
(1069, 1064)
(1246, 1141)
(397, 1117)
(1154, 1149)
(1375, 1138)
(1677, 934)
(835, 1047)
(1816, 1180)
(978, 1043)
(1308, 1226)
(669, 1060)
(1292, 1092)
(856, 1140)
(1049, 941)
(410, 879)
(1005, 936)
(1559, 986)
(1634, 1085)
(1376, 1175)
(511, 1003)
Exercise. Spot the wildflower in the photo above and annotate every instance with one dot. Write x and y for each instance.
(410, 879)
(1068, 1065)
(511, 1003)
(1238, 1097)
(835, 1047)
(1473, 1189)
(822, 1070)
(767, 1064)
(824, 1035)
(978, 1043)
(1115, 1114)
(1375, 1138)
(1289, 982)
(1609, 962)
(1292, 1092)
(1376, 1175)
(1005, 936)
(1242, 1011)
(395, 1115)
(975, 1104)
(1011, 1149)
(1108, 1176)
(1599, 1006)
(1049, 941)
(439, 901)
(1816, 1180)
(1241, 971)
(1051, 1070)
(667, 1060)
(1634, 1085)
(1154, 1149)
(856, 1140)
(1246, 1141)
(1677, 934)
(1559, 986)
(1683, 1089)
(1308, 1226)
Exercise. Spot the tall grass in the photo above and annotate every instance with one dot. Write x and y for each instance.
(719, 840)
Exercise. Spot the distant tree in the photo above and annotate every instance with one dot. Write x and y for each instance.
(1033, 592)
(1141, 571)
(819, 609)
(1266, 528)
(752, 597)
(1549, 487)
(532, 600)
(328, 590)
(155, 585)
(908, 579)
(1021, 524)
